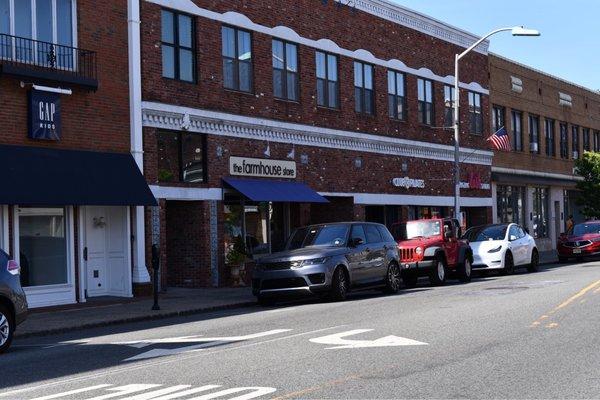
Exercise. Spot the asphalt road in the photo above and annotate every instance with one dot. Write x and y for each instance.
(521, 336)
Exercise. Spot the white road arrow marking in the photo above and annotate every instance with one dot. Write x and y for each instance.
(71, 392)
(124, 391)
(204, 343)
(339, 342)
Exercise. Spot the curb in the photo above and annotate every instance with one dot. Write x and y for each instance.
(148, 317)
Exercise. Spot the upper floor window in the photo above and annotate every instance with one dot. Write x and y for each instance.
(498, 118)
(285, 70)
(597, 141)
(586, 139)
(327, 80)
(475, 115)
(449, 98)
(396, 95)
(534, 134)
(363, 88)
(517, 130)
(564, 141)
(575, 141)
(177, 41)
(550, 142)
(48, 21)
(425, 97)
(237, 59)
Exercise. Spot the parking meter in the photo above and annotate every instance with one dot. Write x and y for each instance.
(155, 267)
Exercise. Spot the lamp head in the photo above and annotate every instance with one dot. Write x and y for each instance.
(521, 31)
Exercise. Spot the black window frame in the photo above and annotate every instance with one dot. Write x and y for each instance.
(498, 117)
(475, 114)
(564, 140)
(575, 142)
(597, 141)
(180, 155)
(286, 72)
(237, 61)
(517, 145)
(422, 111)
(449, 97)
(361, 91)
(585, 133)
(326, 94)
(534, 134)
(394, 98)
(177, 47)
(550, 136)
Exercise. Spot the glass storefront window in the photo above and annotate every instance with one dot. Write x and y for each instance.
(257, 229)
(42, 246)
(181, 157)
(511, 204)
(540, 212)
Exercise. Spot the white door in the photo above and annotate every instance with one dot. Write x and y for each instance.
(106, 251)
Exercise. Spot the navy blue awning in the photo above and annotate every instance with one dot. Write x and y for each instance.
(42, 176)
(269, 190)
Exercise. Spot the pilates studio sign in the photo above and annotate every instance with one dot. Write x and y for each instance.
(243, 166)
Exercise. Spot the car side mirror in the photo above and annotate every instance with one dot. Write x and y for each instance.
(356, 242)
(512, 238)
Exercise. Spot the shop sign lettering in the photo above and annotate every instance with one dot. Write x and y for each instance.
(44, 115)
(243, 166)
(408, 183)
(474, 183)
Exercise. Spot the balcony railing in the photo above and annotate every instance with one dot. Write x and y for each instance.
(50, 61)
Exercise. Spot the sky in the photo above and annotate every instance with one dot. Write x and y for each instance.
(568, 48)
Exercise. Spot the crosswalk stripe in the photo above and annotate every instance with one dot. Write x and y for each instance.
(76, 391)
(159, 392)
(256, 392)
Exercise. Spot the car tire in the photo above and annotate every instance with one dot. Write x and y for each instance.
(266, 301)
(392, 279)
(437, 275)
(509, 264)
(465, 270)
(410, 279)
(534, 266)
(339, 285)
(7, 328)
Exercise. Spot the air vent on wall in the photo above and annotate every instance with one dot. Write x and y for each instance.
(565, 100)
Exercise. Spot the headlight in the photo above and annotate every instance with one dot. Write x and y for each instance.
(419, 250)
(312, 261)
(497, 249)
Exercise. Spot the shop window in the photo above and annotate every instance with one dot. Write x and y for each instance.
(285, 70)
(475, 114)
(237, 59)
(498, 118)
(42, 246)
(181, 157)
(327, 80)
(425, 99)
(396, 96)
(511, 204)
(564, 141)
(540, 213)
(449, 99)
(363, 88)
(517, 124)
(550, 142)
(177, 43)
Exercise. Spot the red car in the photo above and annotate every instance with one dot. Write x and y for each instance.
(432, 248)
(583, 240)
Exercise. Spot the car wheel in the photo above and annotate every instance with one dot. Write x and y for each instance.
(7, 328)
(339, 285)
(465, 270)
(410, 279)
(392, 280)
(534, 266)
(266, 301)
(437, 275)
(509, 264)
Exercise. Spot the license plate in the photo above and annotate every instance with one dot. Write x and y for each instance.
(576, 251)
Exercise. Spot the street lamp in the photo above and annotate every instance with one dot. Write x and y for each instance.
(516, 31)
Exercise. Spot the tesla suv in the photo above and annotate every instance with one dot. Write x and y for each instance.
(13, 305)
(329, 259)
(583, 240)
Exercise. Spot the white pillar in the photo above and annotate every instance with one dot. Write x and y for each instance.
(140, 272)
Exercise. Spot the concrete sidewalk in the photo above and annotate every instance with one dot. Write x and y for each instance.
(548, 257)
(108, 311)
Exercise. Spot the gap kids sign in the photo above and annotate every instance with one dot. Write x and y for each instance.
(243, 166)
(44, 115)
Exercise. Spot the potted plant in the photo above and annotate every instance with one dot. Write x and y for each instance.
(236, 258)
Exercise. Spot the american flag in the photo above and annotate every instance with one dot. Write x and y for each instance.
(500, 140)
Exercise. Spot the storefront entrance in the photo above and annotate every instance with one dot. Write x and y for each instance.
(106, 251)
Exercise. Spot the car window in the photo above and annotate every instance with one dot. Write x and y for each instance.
(483, 233)
(449, 228)
(521, 233)
(585, 228)
(319, 235)
(385, 234)
(513, 231)
(358, 232)
(373, 235)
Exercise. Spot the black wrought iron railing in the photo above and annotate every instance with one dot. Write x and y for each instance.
(59, 60)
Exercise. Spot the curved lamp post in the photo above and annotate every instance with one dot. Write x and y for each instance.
(516, 31)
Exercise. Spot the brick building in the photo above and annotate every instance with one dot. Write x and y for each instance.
(551, 122)
(260, 116)
(68, 177)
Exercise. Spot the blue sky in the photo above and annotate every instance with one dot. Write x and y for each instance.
(568, 48)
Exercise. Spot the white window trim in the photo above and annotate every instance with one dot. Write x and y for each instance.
(50, 295)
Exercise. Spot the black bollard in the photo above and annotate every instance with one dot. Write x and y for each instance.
(155, 267)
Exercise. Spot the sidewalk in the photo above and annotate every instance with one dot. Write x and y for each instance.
(548, 257)
(108, 311)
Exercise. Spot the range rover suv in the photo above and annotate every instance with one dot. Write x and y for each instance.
(13, 304)
(329, 259)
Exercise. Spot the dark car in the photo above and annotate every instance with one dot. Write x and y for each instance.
(329, 259)
(13, 304)
(583, 240)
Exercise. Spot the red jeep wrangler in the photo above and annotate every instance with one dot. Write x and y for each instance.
(433, 248)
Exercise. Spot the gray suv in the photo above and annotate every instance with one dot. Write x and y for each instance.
(329, 259)
(13, 304)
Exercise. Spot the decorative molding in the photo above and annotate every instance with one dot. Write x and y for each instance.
(171, 117)
(407, 199)
(186, 193)
(516, 84)
(513, 171)
(327, 45)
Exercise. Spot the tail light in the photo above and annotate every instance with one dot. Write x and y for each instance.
(13, 267)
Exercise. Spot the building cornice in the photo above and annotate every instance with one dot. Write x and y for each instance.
(285, 33)
(538, 174)
(172, 117)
